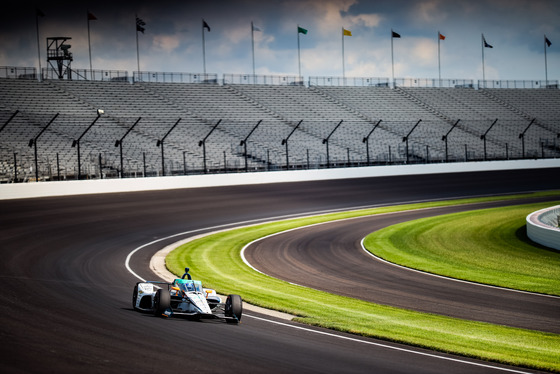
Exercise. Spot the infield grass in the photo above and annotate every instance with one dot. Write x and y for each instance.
(216, 260)
(487, 246)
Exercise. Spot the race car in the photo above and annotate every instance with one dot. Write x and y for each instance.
(185, 297)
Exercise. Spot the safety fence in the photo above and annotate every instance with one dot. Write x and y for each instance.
(256, 79)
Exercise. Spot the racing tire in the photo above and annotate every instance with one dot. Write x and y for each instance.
(135, 297)
(162, 301)
(234, 308)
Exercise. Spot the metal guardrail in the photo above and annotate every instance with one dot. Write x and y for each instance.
(150, 76)
(18, 72)
(13, 72)
(518, 84)
(347, 81)
(277, 80)
(438, 83)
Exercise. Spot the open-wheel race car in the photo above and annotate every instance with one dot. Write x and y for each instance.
(185, 297)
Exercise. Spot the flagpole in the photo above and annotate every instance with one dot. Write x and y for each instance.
(438, 56)
(298, 53)
(203, 50)
(253, 48)
(38, 46)
(137, 48)
(89, 45)
(392, 60)
(545, 64)
(483, 73)
(343, 72)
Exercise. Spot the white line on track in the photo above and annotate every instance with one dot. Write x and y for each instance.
(356, 340)
(453, 279)
(265, 220)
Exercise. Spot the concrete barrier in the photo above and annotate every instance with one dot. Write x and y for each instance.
(542, 227)
(66, 188)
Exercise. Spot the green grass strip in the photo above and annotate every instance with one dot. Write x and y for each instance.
(486, 246)
(215, 259)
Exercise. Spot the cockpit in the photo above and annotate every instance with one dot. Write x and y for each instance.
(187, 285)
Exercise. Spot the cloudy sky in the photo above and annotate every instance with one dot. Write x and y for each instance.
(172, 41)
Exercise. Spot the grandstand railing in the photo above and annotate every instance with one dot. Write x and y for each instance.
(151, 76)
(431, 82)
(18, 72)
(87, 74)
(517, 84)
(348, 81)
(290, 80)
(13, 72)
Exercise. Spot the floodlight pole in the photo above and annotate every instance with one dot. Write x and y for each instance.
(285, 141)
(244, 144)
(160, 142)
(202, 144)
(118, 143)
(444, 138)
(405, 139)
(76, 143)
(326, 141)
(522, 137)
(483, 137)
(33, 142)
(366, 140)
(9, 120)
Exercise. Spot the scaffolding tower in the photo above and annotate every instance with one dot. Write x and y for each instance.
(59, 56)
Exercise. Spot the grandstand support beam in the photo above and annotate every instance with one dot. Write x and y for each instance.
(366, 140)
(483, 136)
(405, 139)
(202, 144)
(160, 143)
(15, 167)
(119, 142)
(244, 144)
(33, 143)
(9, 120)
(522, 137)
(285, 142)
(326, 141)
(444, 138)
(76, 143)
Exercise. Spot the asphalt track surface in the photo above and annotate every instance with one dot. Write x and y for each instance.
(318, 256)
(65, 299)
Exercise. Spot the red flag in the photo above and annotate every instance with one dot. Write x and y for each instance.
(441, 37)
(91, 17)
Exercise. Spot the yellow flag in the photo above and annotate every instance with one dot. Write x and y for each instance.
(346, 32)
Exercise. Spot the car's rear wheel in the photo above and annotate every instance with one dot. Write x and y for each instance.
(162, 301)
(234, 308)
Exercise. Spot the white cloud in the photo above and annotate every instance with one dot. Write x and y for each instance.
(166, 43)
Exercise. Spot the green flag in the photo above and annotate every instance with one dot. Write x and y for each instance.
(301, 30)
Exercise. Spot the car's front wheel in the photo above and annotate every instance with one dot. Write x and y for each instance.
(135, 297)
(234, 308)
(162, 301)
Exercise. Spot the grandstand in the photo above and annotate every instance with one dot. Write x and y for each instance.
(205, 120)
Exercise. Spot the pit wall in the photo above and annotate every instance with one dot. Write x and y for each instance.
(67, 188)
(542, 227)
